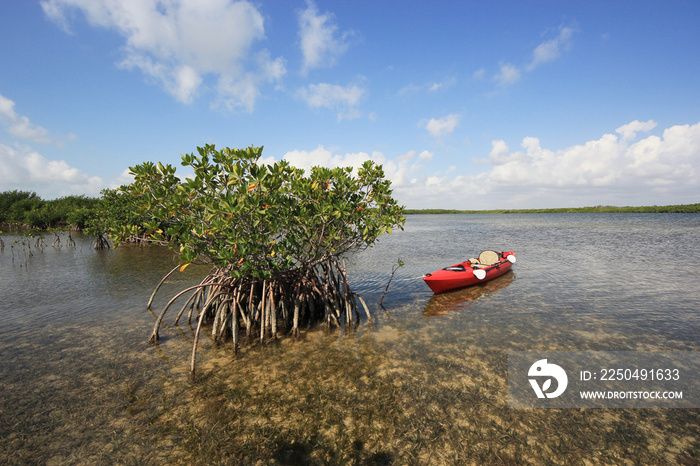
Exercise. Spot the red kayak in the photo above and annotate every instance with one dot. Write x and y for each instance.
(489, 265)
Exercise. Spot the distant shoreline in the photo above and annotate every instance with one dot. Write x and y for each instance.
(676, 209)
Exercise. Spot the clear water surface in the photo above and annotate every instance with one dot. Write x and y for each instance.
(74, 324)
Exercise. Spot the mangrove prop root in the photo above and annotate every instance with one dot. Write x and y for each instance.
(369, 317)
(194, 347)
(101, 242)
(159, 320)
(190, 303)
(153, 295)
(290, 300)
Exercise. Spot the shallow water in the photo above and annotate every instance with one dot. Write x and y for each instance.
(622, 273)
(80, 384)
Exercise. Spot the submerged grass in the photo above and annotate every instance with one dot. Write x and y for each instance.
(385, 395)
(434, 393)
(366, 400)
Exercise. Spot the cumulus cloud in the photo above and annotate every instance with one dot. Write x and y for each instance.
(25, 169)
(630, 130)
(343, 99)
(441, 127)
(20, 127)
(499, 152)
(179, 44)
(323, 157)
(610, 161)
(406, 171)
(615, 169)
(321, 43)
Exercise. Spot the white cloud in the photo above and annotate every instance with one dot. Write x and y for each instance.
(125, 177)
(323, 157)
(551, 50)
(442, 85)
(442, 126)
(178, 44)
(332, 96)
(618, 169)
(611, 170)
(545, 52)
(426, 155)
(499, 152)
(320, 43)
(508, 74)
(20, 127)
(405, 171)
(236, 92)
(25, 169)
(630, 130)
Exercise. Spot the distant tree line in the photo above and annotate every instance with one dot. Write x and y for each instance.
(684, 208)
(25, 209)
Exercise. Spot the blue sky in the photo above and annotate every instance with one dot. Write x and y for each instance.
(468, 105)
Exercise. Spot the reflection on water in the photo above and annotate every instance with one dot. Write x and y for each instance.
(441, 304)
(425, 382)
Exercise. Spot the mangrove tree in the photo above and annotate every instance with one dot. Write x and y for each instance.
(274, 236)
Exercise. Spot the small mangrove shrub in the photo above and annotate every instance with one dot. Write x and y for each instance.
(274, 236)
